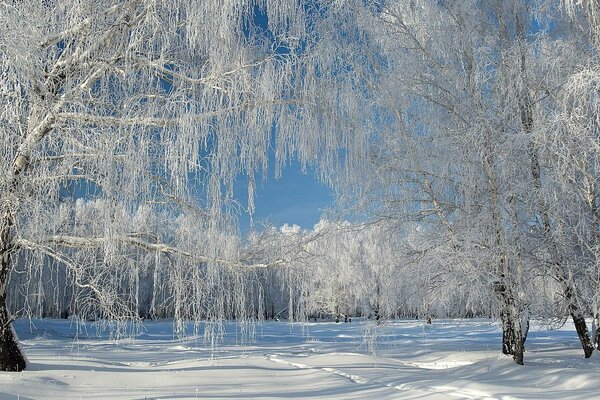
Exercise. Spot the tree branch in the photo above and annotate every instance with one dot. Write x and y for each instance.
(135, 239)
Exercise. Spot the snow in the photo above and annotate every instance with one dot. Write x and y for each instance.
(451, 359)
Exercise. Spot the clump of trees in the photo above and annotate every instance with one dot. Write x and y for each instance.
(151, 109)
(463, 134)
(489, 141)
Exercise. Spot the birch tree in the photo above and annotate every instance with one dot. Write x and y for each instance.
(160, 104)
(467, 103)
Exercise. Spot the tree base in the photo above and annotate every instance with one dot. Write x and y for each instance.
(11, 357)
(584, 336)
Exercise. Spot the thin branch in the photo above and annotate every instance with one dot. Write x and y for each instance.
(135, 240)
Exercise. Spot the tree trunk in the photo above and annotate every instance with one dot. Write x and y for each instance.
(513, 337)
(518, 338)
(578, 320)
(525, 328)
(507, 333)
(582, 332)
(426, 314)
(11, 357)
(519, 346)
(596, 330)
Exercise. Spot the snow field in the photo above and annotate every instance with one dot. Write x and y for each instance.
(451, 359)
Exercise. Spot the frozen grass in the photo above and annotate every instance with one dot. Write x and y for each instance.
(405, 360)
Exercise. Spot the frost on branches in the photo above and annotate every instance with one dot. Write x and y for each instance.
(123, 125)
(461, 136)
(489, 143)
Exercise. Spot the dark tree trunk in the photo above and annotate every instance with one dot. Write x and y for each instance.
(582, 331)
(508, 334)
(596, 329)
(519, 346)
(11, 358)
(518, 337)
(508, 328)
(570, 294)
(513, 337)
(525, 330)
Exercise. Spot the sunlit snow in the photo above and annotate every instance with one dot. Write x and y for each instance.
(407, 359)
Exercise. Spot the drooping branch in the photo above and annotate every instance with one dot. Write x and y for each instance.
(138, 241)
(153, 122)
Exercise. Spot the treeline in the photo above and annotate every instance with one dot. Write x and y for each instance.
(334, 271)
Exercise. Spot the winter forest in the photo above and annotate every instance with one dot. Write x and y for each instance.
(461, 140)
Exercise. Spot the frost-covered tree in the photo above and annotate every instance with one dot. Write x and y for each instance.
(146, 106)
(575, 145)
(342, 270)
(469, 150)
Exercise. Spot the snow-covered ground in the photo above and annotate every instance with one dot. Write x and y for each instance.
(447, 360)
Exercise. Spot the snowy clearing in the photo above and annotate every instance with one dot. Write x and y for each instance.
(448, 360)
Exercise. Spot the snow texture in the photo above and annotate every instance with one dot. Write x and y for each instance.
(451, 359)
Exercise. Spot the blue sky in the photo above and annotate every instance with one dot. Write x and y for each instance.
(295, 198)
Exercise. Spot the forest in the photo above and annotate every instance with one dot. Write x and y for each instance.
(461, 138)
